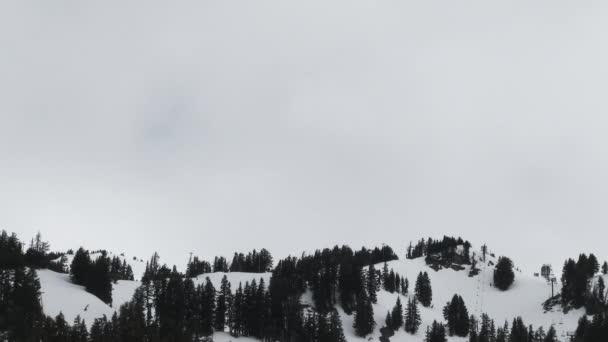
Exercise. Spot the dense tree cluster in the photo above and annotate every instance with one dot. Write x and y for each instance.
(197, 267)
(592, 331)
(457, 317)
(256, 262)
(435, 333)
(220, 264)
(120, 270)
(21, 314)
(575, 279)
(486, 331)
(171, 306)
(503, 273)
(393, 282)
(323, 327)
(446, 249)
(94, 275)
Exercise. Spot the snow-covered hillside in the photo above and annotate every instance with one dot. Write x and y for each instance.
(524, 298)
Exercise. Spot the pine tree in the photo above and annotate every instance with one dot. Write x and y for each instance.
(503, 274)
(397, 316)
(436, 333)
(412, 317)
(605, 268)
(594, 265)
(79, 269)
(423, 290)
(372, 284)
(364, 323)
(223, 303)
(207, 307)
(334, 332)
(551, 335)
(457, 316)
(388, 321)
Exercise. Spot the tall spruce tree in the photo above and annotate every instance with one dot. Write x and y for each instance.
(224, 300)
(372, 284)
(364, 322)
(396, 316)
(412, 317)
(423, 290)
(457, 317)
(436, 333)
(551, 335)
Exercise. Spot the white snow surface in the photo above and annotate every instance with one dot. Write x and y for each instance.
(524, 298)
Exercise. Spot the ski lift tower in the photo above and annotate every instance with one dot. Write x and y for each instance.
(546, 271)
(552, 281)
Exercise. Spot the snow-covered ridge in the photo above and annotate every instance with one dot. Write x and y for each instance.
(524, 298)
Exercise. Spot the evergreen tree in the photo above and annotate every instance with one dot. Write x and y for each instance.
(423, 290)
(436, 333)
(334, 331)
(207, 307)
(593, 265)
(396, 316)
(79, 269)
(605, 268)
(551, 335)
(412, 317)
(457, 317)
(503, 274)
(223, 303)
(99, 280)
(519, 332)
(364, 323)
(372, 284)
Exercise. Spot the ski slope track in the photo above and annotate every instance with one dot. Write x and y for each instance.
(524, 298)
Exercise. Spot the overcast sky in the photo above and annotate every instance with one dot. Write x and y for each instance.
(215, 126)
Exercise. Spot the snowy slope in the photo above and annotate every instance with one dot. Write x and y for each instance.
(59, 294)
(524, 298)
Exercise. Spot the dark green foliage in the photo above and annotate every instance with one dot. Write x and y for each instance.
(254, 262)
(575, 278)
(197, 267)
(503, 274)
(435, 333)
(224, 300)
(423, 290)
(35, 256)
(551, 335)
(364, 323)
(594, 331)
(519, 332)
(395, 317)
(593, 265)
(120, 270)
(220, 264)
(444, 249)
(457, 317)
(372, 284)
(412, 317)
(605, 268)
